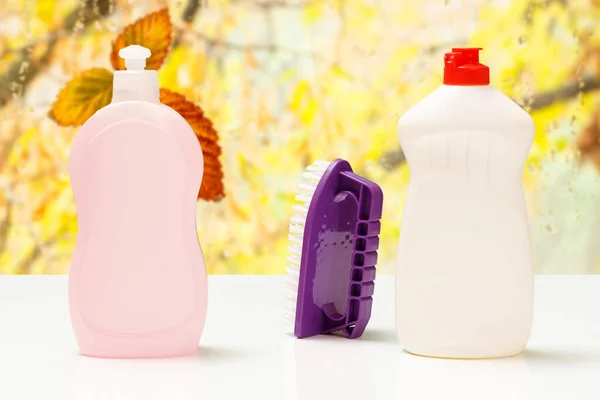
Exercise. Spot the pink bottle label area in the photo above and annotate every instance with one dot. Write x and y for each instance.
(138, 268)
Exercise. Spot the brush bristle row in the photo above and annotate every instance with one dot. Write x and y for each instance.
(310, 180)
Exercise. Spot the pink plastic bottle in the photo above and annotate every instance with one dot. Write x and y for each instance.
(138, 281)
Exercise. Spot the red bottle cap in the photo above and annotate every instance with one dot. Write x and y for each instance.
(462, 68)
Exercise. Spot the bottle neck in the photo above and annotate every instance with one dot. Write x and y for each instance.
(139, 85)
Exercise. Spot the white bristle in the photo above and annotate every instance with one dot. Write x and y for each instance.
(306, 190)
(298, 219)
(308, 186)
(312, 176)
(291, 284)
(304, 197)
(293, 272)
(296, 239)
(299, 209)
(294, 259)
(291, 293)
(293, 249)
(296, 228)
(317, 167)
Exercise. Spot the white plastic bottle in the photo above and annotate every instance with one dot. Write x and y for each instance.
(464, 279)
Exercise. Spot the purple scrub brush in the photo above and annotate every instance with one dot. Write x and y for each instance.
(333, 251)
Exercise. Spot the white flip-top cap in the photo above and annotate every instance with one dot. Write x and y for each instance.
(135, 57)
(136, 83)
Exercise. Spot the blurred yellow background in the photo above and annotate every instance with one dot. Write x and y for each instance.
(289, 82)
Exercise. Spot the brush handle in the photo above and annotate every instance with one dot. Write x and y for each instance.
(364, 257)
(339, 253)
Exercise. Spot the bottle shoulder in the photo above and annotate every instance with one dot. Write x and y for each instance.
(107, 120)
(465, 108)
(156, 113)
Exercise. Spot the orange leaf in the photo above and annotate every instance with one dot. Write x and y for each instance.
(82, 97)
(212, 181)
(153, 32)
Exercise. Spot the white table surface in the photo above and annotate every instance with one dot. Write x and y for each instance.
(244, 353)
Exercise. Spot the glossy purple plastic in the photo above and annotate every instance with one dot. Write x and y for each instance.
(339, 254)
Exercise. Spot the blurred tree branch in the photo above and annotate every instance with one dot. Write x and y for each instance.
(243, 47)
(5, 225)
(193, 6)
(30, 61)
(535, 5)
(24, 266)
(6, 148)
(42, 40)
(191, 9)
(6, 222)
(266, 5)
(563, 93)
(393, 159)
(189, 14)
(534, 103)
(21, 72)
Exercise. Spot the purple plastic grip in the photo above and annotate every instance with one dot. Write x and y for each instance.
(339, 254)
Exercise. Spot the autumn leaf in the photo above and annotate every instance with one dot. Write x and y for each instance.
(82, 97)
(212, 181)
(153, 32)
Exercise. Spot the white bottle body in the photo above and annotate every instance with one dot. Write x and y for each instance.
(464, 279)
